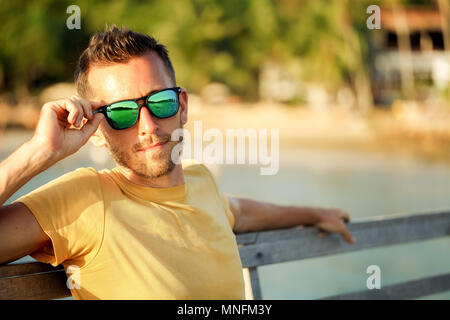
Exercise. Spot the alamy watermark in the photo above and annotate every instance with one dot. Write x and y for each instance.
(74, 280)
(374, 20)
(74, 20)
(230, 148)
(374, 280)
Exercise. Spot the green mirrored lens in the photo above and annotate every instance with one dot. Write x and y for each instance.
(164, 104)
(122, 115)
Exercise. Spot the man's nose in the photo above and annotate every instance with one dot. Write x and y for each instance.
(147, 123)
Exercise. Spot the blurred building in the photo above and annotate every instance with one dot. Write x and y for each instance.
(410, 59)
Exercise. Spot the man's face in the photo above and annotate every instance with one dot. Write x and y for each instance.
(130, 147)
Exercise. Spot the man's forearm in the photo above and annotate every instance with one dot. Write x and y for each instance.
(252, 215)
(21, 166)
(256, 215)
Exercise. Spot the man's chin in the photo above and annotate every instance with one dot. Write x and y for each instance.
(148, 164)
(151, 168)
(154, 173)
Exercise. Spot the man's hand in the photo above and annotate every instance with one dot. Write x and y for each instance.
(65, 125)
(332, 220)
(251, 215)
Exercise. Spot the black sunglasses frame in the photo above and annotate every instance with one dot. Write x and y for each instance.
(103, 109)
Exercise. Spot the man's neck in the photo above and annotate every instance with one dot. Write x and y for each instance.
(172, 179)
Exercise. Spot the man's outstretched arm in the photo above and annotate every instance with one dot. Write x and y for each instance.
(251, 215)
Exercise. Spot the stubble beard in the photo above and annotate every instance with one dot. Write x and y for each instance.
(157, 165)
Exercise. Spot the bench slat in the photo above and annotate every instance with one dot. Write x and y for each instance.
(406, 290)
(254, 281)
(36, 286)
(17, 269)
(296, 243)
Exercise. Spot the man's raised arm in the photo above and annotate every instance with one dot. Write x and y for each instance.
(56, 136)
(251, 215)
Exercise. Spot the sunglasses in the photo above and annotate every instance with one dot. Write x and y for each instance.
(124, 114)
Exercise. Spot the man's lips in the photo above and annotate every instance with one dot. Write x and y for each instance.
(153, 146)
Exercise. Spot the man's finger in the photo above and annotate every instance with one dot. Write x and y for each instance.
(90, 126)
(347, 235)
(81, 114)
(346, 218)
(86, 106)
(75, 111)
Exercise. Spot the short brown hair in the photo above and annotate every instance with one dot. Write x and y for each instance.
(116, 45)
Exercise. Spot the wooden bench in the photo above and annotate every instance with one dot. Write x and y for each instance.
(42, 281)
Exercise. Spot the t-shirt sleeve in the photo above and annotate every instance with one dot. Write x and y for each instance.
(70, 211)
(226, 205)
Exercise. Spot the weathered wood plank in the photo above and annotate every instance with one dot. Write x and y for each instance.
(277, 246)
(17, 269)
(406, 290)
(256, 286)
(246, 238)
(36, 286)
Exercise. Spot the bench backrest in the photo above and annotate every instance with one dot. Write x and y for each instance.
(41, 281)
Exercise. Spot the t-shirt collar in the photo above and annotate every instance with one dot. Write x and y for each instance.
(148, 193)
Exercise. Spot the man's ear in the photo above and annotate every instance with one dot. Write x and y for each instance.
(183, 106)
(98, 138)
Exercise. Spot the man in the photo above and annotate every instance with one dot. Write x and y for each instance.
(150, 228)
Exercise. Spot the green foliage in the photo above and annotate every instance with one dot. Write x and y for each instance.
(209, 40)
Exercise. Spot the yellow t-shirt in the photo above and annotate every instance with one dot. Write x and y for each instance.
(136, 242)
